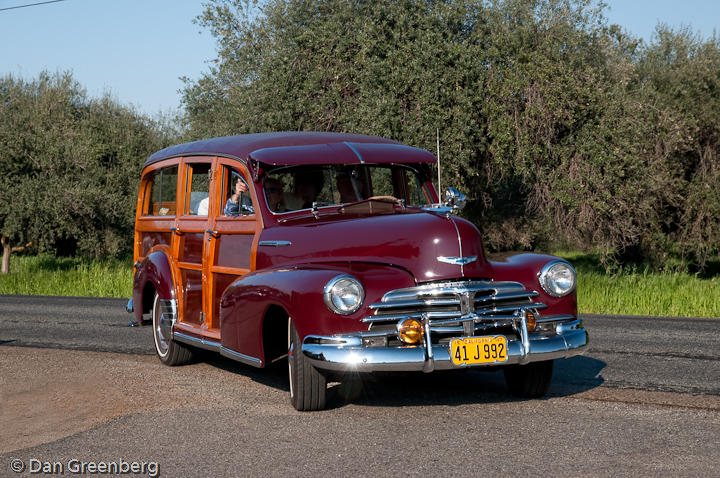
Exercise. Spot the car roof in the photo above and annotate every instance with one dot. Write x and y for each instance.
(296, 148)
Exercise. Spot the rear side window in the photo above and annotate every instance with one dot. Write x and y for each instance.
(163, 193)
(198, 193)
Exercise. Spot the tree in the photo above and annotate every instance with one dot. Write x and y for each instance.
(499, 80)
(566, 131)
(680, 73)
(69, 167)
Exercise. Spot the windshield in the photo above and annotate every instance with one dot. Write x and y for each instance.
(298, 187)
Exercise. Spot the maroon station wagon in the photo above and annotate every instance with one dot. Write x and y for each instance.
(333, 251)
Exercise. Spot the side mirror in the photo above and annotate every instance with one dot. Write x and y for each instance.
(454, 198)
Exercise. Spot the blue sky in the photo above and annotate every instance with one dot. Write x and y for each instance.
(138, 49)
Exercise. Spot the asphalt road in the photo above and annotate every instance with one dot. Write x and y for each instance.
(643, 401)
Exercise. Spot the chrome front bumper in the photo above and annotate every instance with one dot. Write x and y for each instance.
(347, 353)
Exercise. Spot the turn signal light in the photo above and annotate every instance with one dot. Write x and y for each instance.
(530, 320)
(410, 331)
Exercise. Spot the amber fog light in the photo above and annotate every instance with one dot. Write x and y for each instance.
(410, 331)
(530, 320)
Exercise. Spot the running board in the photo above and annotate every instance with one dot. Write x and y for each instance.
(216, 347)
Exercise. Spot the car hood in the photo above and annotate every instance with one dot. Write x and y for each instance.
(431, 246)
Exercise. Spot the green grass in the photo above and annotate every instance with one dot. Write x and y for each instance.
(639, 291)
(73, 276)
(629, 291)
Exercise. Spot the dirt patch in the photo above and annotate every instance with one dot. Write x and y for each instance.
(47, 394)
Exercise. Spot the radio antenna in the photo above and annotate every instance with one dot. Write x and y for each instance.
(438, 156)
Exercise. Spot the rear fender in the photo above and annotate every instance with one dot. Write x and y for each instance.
(157, 271)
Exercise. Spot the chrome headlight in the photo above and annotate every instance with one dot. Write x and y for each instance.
(558, 278)
(344, 294)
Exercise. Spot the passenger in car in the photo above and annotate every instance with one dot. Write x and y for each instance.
(202, 205)
(308, 185)
(275, 195)
(240, 202)
(347, 190)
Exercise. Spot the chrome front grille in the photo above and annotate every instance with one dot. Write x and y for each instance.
(452, 308)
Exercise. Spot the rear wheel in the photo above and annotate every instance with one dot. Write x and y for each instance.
(531, 380)
(308, 387)
(168, 351)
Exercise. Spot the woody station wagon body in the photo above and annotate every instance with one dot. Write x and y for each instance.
(333, 252)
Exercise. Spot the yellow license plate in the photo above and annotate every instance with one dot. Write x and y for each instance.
(475, 350)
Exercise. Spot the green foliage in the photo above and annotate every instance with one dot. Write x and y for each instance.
(564, 130)
(629, 291)
(72, 276)
(69, 166)
(681, 74)
(640, 291)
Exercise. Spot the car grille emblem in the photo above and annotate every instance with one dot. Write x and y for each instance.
(458, 261)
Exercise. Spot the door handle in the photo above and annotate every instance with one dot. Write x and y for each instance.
(211, 234)
(176, 231)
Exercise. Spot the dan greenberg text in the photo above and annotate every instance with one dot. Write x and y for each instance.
(80, 467)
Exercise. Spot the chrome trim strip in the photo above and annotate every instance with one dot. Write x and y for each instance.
(524, 337)
(357, 153)
(216, 347)
(453, 319)
(231, 354)
(275, 243)
(413, 303)
(389, 318)
(455, 329)
(197, 342)
(510, 308)
(447, 288)
(554, 318)
(429, 364)
(457, 231)
(528, 294)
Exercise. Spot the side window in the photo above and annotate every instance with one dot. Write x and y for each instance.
(163, 193)
(237, 200)
(415, 192)
(197, 199)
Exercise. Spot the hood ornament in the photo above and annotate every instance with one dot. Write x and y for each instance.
(458, 261)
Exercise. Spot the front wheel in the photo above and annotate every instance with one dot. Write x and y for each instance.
(531, 380)
(308, 387)
(168, 351)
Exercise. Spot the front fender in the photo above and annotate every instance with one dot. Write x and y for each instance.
(156, 270)
(525, 268)
(299, 291)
